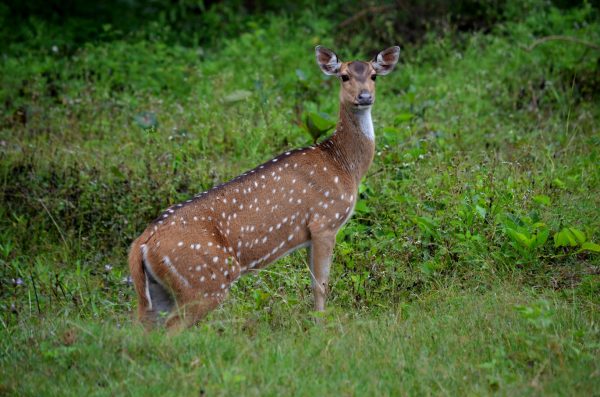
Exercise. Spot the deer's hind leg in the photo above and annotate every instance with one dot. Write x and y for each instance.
(208, 289)
(191, 309)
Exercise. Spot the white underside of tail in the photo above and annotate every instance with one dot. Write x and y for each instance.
(145, 257)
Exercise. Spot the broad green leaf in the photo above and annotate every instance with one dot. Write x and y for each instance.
(318, 123)
(542, 237)
(565, 238)
(518, 237)
(579, 235)
(322, 121)
(589, 246)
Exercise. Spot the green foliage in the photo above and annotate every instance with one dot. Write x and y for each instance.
(524, 233)
(505, 341)
(317, 124)
(485, 175)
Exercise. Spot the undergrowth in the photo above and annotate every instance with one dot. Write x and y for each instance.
(486, 174)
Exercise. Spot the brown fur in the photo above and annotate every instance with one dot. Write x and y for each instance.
(197, 249)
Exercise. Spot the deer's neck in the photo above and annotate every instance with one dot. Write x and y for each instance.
(353, 143)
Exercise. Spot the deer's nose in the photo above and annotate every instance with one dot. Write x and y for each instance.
(365, 98)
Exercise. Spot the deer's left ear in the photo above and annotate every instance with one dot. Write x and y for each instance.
(328, 61)
(385, 61)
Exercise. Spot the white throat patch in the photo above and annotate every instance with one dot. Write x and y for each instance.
(365, 123)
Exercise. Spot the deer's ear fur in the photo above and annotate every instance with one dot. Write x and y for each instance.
(328, 61)
(385, 61)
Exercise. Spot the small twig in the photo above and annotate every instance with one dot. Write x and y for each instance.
(561, 38)
(378, 171)
(54, 221)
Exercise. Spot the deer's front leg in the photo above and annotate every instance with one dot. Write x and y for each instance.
(320, 254)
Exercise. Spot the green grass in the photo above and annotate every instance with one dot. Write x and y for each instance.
(448, 279)
(469, 342)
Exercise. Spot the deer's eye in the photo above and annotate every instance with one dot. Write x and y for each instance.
(373, 77)
(345, 77)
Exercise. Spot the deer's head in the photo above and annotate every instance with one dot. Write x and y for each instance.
(357, 78)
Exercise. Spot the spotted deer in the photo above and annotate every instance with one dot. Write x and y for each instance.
(185, 262)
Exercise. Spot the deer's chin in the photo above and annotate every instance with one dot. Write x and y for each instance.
(356, 107)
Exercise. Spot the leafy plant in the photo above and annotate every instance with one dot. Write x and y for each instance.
(317, 124)
(570, 237)
(526, 234)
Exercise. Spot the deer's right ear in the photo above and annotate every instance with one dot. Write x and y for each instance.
(385, 61)
(328, 61)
